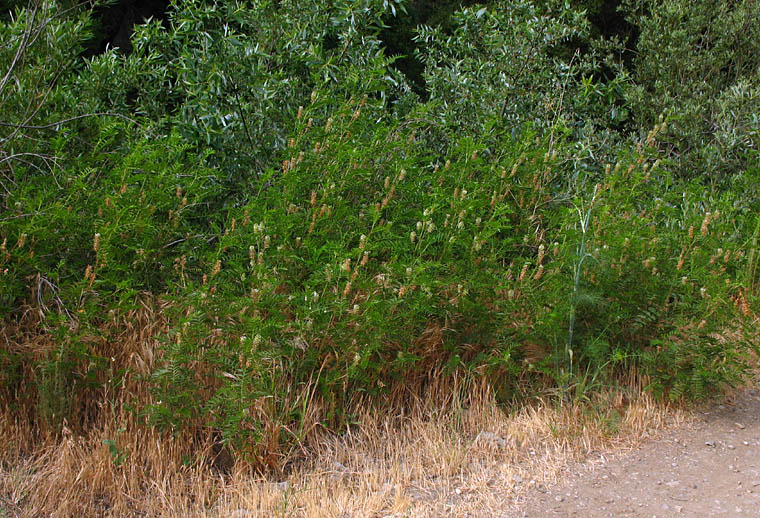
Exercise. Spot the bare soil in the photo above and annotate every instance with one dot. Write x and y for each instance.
(708, 467)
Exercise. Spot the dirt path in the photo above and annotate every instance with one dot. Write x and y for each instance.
(710, 467)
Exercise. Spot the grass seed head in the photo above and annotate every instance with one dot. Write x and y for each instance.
(706, 224)
(523, 272)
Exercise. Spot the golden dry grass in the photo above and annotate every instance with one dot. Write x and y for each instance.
(449, 449)
(458, 456)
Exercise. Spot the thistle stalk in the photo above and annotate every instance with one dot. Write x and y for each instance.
(584, 221)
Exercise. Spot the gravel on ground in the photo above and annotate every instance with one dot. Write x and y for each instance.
(709, 467)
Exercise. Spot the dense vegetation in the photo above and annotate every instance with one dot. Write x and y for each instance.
(546, 195)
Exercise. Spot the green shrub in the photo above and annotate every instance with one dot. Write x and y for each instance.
(367, 264)
(319, 238)
(229, 77)
(364, 263)
(699, 61)
(508, 66)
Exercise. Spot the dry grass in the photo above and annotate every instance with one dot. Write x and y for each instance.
(451, 452)
(443, 457)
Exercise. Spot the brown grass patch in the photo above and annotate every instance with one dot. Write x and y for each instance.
(454, 453)
(441, 447)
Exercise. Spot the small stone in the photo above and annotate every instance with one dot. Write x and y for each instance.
(739, 426)
(731, 447)
(710, 443)
(679, 508)
(491, 438)
(559, 498)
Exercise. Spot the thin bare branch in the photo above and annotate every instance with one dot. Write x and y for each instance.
(70, 119)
